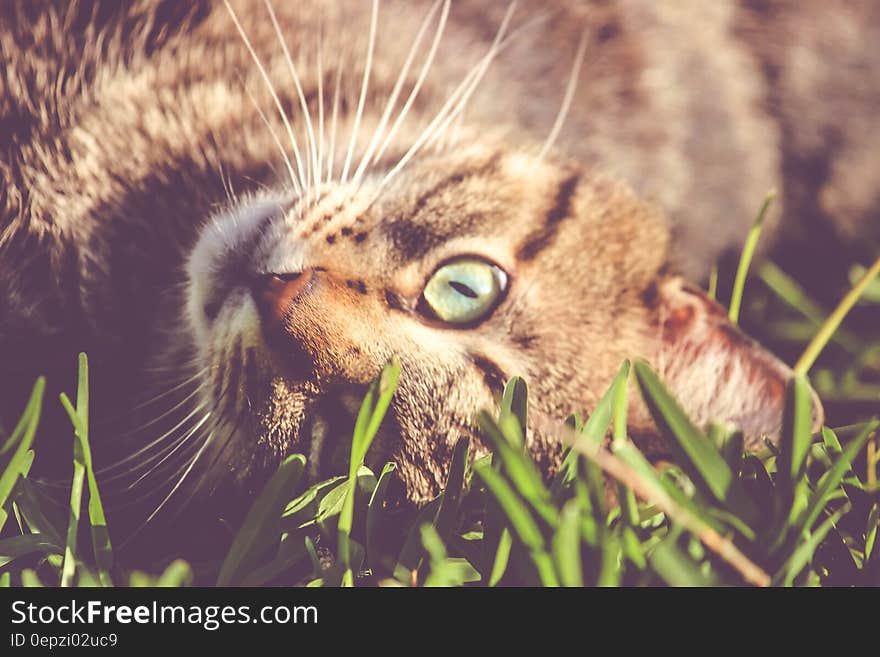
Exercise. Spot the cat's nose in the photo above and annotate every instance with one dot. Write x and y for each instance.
(275, 293)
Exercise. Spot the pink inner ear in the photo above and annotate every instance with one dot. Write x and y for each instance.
(716, 371)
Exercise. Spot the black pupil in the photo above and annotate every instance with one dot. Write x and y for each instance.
(461, 288)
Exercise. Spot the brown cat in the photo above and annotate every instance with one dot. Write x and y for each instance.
(247, 210)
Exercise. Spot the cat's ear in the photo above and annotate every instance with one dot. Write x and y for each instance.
(716, 371)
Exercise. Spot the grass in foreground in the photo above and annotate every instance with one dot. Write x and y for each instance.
(801, 515)
(805, 513)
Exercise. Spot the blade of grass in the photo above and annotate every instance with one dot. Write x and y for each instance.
(620, 405)
(68, 567)
(410, 559)
(518, 466)
(872, 460)
(795, 444)
(22, 457)
(444, 571)
(306, 509)
(804, 552)
(376, 514)
(177, 574)
(515, 400)
(697, 453)
(729, 442)
(18, 546)
(646, 489)
(787, 289)
(829, 328)
(594, 430)
(797, 425)
(261, 527)
(609, 565)
(521, 522)
(30, 579)
(34, 507)
(23, 465)
(871, 532)
(291, 552)
(98, 523)
(712, 291)
(628, 505)
(502, 557)
(833, 448)
(451, 498)
(367, 425)
(675, 567)
(590, 488)
(32, 406)
(745, 259)
(833, 477)
(567, 545)
(331, 504)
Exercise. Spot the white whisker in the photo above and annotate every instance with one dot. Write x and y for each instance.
(331, 161)
(187, 468)
(477, 77)
(364, 85)
(320, 169)
(152, 400)
(156, 441)
(569, 95)
(271, 88)
(226, 443)
(187, 364)
(395, 92)
(287, 163)
(158, 418)
(227, 188)
(125, 475)
(312, 180)
(179, 444)
(452, 134)
(164, 501)
(156, 487)
(164, 394)
(144, 463)
(423, 74)
(454, 103)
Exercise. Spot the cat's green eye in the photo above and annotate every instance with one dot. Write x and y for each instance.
(464, 291)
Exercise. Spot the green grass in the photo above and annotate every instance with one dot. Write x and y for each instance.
(805, 513)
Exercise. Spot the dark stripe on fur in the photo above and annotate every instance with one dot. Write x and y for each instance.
(235, 371)
(493, 376)
(412, 238)
(561, 209)
(451, 181)
(251, 373)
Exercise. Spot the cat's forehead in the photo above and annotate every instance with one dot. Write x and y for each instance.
(478, 192)
(491, 200)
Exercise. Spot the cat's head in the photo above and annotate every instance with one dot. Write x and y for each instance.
(482, 262)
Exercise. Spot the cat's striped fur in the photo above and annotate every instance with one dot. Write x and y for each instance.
(147, 176)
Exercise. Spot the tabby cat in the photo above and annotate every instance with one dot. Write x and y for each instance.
(243, 211)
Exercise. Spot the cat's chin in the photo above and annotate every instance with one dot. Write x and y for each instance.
(297, 418)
